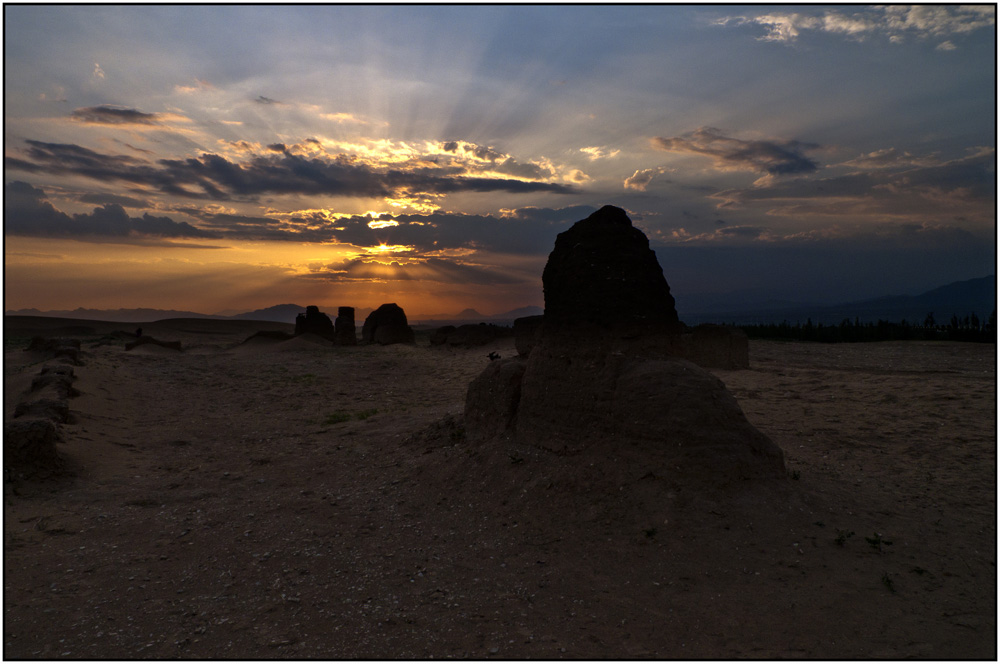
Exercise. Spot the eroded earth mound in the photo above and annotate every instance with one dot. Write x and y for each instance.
(604, 373)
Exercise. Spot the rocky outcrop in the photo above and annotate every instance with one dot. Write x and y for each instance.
(62, 350)
(387, 325)
(602, 271)
(469, 335)
(314, 321)
(32, 433)
(345, 331)
(603, 374)
(527, 333)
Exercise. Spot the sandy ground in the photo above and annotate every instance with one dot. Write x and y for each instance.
(296, 500)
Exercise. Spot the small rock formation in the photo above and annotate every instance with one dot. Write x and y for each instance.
(603, 374)
(387, 325)
(29, 445)
(63, 350)
(346, 332)
(468, 335)
(31, 435)
(313, 321)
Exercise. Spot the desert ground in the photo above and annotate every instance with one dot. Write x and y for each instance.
(293, 499)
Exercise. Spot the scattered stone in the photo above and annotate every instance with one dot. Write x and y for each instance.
(313, 321)
(387, 325)
(345, 330)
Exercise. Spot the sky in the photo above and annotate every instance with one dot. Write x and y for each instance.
(225, 158)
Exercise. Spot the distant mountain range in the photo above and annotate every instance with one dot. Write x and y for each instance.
(960, 298)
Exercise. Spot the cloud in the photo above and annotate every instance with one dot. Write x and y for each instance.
(113, 199)
(890, 158)
(212, 176)
(268, 101)
(642, 178)
(774, 157)
(28, 212)
(439, 270)
(960, 187)
(894, 22)
(595, 153)
(524, 231)
(98, 72)
(112, 115)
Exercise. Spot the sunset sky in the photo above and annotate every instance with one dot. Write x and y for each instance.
(229, 158)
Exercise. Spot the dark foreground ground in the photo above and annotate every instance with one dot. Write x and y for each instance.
(292, 500)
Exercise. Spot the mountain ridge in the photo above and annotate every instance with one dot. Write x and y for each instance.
(958, 298)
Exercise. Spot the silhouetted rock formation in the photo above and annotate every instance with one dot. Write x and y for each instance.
(346, 332)
(387, 325)
(602, 271)
(601, 373)
(315, 322)
(469, 335)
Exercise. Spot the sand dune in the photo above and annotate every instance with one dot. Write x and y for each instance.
(290, 499)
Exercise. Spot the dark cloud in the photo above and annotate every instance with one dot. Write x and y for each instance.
(113, 115)
(277, 147)
(113, 199)
(214, 177)
(440, 270)
(267, 100)
(776, 157)
(26, 211)
(964, 186)
(527, 231)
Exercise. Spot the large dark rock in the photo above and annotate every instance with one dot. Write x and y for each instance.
(387, 325)
(602, 271)
(345, 330)
(527, 332)
(604, 374)
(314, 321)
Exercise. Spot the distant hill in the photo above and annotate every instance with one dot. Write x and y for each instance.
(959, 298)
(472, 316)
(279, 313)
(114, 315)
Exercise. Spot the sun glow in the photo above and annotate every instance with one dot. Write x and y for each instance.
(384, 249)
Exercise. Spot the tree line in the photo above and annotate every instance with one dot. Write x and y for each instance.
(970, 328)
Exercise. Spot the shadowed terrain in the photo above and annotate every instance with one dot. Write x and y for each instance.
(295, 499)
